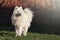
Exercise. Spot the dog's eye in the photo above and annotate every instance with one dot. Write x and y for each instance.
(18, 14)
(16, 8)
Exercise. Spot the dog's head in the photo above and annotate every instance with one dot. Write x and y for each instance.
(18, 11)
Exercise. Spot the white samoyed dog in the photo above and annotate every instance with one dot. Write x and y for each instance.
(21, 19)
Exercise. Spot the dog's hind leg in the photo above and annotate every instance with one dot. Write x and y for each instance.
(25, 30)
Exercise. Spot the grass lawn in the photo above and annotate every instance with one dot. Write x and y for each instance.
(7, 35)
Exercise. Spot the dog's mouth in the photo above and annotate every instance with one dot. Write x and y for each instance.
(18, 14)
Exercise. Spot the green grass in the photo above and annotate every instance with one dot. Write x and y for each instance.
(7, 35)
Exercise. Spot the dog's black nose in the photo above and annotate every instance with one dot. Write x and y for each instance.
(18, 14)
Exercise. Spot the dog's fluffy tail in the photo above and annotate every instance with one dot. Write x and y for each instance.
(29, 13)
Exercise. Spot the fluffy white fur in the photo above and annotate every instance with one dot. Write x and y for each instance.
(23, 22)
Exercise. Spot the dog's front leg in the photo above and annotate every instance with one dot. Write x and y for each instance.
(20, 31)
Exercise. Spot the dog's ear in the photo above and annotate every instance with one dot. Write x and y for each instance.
(16, 7)
(21, 7)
